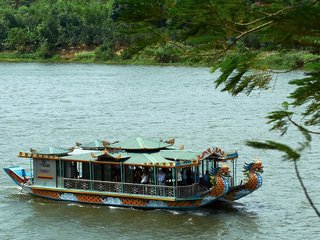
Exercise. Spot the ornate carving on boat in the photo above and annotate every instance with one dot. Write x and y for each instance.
(220, 180)
(253, 171)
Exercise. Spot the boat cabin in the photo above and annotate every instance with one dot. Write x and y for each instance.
(137, 166)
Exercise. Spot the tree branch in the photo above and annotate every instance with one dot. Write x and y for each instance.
(298, 66)
(272, 14)
(241, 36)
(305, 190)
(215, 12)
(299, 126)
(263, 18)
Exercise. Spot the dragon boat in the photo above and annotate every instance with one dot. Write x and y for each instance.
(139, 173)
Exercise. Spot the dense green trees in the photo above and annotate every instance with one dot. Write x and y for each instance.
(28, 26)
(191, 31)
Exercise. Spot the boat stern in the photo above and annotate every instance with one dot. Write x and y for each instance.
(17, 174)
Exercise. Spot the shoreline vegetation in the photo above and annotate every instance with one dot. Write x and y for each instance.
(275, 60)
(168, 33)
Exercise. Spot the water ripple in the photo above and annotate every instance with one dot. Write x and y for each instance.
(59, 104)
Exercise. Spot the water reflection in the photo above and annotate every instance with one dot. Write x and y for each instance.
(134, 223)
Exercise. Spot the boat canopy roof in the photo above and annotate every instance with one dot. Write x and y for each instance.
(94, 145)
(137, 151)
(180, 154)
(142, 144)
(146, 159)
(99, 155)
(56, 151)
(133, 159)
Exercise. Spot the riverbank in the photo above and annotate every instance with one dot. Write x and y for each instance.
(271, 60)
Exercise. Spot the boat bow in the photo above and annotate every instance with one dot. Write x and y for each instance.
(220, 180)
(252, 182)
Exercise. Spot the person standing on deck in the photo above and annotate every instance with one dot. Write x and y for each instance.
(144, 177)
(161, 177)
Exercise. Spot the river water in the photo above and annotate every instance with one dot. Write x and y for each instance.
(59, 104)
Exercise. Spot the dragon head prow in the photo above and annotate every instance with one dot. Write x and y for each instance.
(254, 167)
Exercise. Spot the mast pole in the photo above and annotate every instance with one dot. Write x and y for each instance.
(175, 181)
(155, 179)
(31, 170)
(90, 171)
(60, 172)
(121, 176)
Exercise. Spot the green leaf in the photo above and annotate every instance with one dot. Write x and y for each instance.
(289, 153)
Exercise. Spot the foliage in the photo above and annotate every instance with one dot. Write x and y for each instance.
(240, 31)
(104, 52)
(304, 33)
(85, 56)
(288, 25)
(29, 25)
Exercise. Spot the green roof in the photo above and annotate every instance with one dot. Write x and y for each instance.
(137, 159)
(180, 154)
(94, 156)
(141, 143)
(83, 157)
(52, 151)
(96, 144)
(154, 159)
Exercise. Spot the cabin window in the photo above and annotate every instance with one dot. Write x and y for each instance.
(85, 170)
(101, 172)
(128, 170)
(189, 176)
(115, 173)
(67, 169)
(70, 169)
(105, 172)
(98, 171)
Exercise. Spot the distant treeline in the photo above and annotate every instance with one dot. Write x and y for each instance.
(161, 30)
(46, 25)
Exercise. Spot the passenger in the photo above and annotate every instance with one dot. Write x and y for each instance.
(161, 177)
(116, 177)
(144, 177)
(206, 179)
(180, 178)
(137, 175)
(189, 177)
(184, 176)
(23, 173)
(168, 178)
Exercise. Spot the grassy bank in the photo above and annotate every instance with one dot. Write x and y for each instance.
(287, 60)
(90, 57)
(274, 60)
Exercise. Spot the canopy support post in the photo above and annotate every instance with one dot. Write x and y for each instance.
(174, 185)
(31, 170)
(121, 176)
(235, 171)
(90, 171)
(155, 179)
(60, 172)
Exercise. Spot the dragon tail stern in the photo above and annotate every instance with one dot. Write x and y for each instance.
(17, 174)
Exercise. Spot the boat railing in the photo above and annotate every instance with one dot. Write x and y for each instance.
(132, 188)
